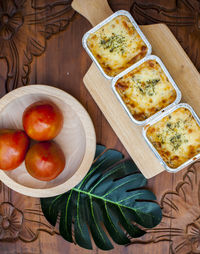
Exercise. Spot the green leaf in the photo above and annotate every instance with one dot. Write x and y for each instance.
(111, 201)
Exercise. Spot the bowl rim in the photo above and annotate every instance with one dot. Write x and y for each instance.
(90, 137)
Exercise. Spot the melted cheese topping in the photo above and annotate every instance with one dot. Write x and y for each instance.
(117, 45)
(176, 137)
(146, 90)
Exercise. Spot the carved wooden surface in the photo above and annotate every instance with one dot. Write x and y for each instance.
(40, 42)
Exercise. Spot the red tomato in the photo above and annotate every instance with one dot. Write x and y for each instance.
(45, 160)
(42, 120)
(13, 147)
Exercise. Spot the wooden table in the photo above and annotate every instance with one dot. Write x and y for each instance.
(45, 47)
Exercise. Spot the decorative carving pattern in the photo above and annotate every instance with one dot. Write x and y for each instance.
(180, 225)
(25, 25)
(24, 225)
(182, 16)
(10, 221)
(181, 216)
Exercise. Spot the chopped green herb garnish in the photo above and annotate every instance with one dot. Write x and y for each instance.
(176, 141)
(174, 133)
(147, 87)
(115, 43)
(169, 125)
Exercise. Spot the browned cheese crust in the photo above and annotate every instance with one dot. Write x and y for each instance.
(117, 45)
(176, 137)
(146, 90)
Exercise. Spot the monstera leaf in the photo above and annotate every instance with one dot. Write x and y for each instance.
(110, 200)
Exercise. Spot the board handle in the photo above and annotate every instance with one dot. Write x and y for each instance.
(93, 10)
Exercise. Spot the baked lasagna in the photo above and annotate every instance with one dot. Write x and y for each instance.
(146, 90)
(176, 137)
(117, 45)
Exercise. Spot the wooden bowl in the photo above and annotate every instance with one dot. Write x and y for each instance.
(77, 140)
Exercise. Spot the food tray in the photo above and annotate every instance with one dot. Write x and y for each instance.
(97, 27)
(166, 113)
(178, 92)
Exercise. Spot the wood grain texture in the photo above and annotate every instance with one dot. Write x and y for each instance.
(100, 89)
(181, 16)
(63, 64)
(129, 134)
(94, 11)
(25, 28)
(76, 139)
